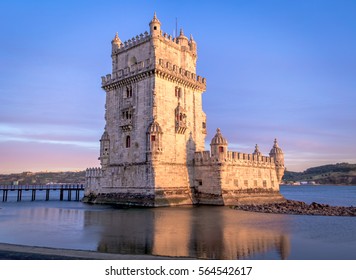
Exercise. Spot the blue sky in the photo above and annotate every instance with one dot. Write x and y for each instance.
(274, 69)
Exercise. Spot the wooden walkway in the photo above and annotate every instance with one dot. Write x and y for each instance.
(62, 188)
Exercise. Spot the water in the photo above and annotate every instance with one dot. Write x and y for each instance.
(205, 232)
(332, 195)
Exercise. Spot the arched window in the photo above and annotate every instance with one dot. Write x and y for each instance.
(178, 92)
(221, 149)
(129, 91)
(128, 141)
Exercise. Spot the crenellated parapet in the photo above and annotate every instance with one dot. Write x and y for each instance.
(205, 158)
(93, 172)
(126, 75)
(135, 41)
(162, 68)
(172, 72)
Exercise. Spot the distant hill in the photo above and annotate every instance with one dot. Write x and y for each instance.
(340, 174)
(42, 178)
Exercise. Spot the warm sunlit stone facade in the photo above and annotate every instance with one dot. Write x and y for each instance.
(152, 149)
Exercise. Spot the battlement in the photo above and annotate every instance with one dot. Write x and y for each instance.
(127, 72)
(133, 42)
(204, 157)
(162, 66)
(185, 77)
(93, 172)
(175, 42)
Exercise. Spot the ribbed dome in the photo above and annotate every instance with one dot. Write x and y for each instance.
(155, 19)
(257, 151)
(116, 40)
(276, 149)
(218, 139)
(154, 128)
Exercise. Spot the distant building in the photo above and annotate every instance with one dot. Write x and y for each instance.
(152, 149)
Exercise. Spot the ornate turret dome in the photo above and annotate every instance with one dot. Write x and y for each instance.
(155, 26)
(276, 149)
(116, 39)
(218, 139)
(154, 128)
(155, 19)
(257, 151)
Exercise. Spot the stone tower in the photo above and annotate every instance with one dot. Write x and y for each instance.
(154, 119)
(152, 148)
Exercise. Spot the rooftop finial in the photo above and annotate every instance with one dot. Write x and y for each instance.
(155, 19)
(275, 142)
(181, 32)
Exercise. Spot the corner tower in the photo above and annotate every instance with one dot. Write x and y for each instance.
(277, 154)
(154, 121)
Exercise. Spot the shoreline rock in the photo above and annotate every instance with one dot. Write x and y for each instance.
(293, 207)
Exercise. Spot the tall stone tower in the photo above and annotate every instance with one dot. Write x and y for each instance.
(154, 121)
(152, 149)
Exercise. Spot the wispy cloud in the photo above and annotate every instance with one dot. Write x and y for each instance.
(59, 135)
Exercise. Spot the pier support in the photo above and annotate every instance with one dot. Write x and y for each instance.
(77, 194)
(19, 195)
(4, 195)
(47, 195)
(33, 195)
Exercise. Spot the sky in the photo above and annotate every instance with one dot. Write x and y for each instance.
(274, 69)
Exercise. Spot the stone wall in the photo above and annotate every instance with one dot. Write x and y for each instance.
(235, 179)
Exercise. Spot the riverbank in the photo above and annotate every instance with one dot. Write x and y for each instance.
(21, 252)
(293, 207)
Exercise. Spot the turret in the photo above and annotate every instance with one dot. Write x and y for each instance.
(155, 26)
(257, 151)
(192, 44)
(218, 146)
(116, 43)
(104, 150)
(154, 137)
(181, 39)
(277, 154)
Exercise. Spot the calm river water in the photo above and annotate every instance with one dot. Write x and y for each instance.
(205, 232)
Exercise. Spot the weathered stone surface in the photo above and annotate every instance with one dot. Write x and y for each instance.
(152, 148)
(293, 207)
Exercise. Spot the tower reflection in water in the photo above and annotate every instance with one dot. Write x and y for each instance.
(197, 232)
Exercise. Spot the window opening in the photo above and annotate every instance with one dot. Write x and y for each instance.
(128, 141)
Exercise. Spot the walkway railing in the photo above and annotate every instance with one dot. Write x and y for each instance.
(69, 188)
